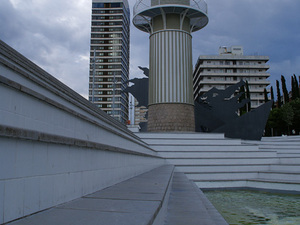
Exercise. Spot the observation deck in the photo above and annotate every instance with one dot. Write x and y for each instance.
(145, 10)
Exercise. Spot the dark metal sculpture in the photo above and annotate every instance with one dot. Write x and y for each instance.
(249, 126)
(217, 111)
(139, 90)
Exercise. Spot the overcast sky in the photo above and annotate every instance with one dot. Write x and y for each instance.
(55, 34)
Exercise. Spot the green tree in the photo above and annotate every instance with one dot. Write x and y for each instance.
(275, 124)
(295, 88)
(248, 96)
(243, 109)
(284, 90)
(296, 120)
(272, 97)
(278, 94)
(266, 95)
(287, 116)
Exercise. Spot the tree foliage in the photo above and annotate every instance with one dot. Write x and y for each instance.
(285, 119)
(242, 110)
(272, 97)
(266, 95)
(278, 94)
(248, 96)
(295, 88)
(284, 90)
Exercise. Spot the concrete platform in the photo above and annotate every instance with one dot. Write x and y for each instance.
(188, 205)
(142, 200)
(135, 201)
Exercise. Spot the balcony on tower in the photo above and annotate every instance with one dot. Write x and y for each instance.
(193, 14)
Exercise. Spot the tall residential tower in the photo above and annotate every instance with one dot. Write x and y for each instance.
(109, 57)
(170, 24)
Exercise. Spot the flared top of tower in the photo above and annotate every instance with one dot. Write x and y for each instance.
(145, 10)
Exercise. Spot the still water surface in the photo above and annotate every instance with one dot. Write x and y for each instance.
(251, 207)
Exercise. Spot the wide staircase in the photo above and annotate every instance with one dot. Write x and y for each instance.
(285, 174)
(212, 161)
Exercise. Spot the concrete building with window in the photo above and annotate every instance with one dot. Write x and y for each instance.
(228, 68)
(109, 57)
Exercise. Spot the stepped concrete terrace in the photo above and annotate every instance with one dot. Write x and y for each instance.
(64, 161)
(215, 162)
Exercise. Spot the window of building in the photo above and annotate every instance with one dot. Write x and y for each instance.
(98, 5)
(115, 5)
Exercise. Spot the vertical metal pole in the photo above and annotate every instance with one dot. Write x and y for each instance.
(94, 67)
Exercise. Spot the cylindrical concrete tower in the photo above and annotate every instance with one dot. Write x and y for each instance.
(170, 24)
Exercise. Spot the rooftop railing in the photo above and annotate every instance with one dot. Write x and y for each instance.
(142, 5)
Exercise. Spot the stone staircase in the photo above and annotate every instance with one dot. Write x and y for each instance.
(284, 175)
(212, 161)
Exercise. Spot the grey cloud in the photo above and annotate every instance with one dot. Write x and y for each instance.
(55, 34)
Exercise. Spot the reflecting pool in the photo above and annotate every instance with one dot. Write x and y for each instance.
(251, 207)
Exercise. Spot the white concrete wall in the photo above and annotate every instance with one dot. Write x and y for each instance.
(36, 175)
(54, 145)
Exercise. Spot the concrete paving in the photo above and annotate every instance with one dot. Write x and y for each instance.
(188, 205)
(134, 201)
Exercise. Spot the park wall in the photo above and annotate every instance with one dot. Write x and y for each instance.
(55, 146)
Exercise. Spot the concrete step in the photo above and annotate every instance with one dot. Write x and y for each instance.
(285, 167)
(280, 147)
(191, 142)
(280, 175)
(276, 185)
(220, 184)
(295, 151)
(296, 155)
(223, 161)
(285, 144)
(289, 160)
(222, 175)
(281, 138)
(190, 135)
(262, 184)
(223, 168)
(188, 205)
(205, 148)
(216, 154)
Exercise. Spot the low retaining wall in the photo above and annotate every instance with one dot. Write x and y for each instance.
(56, 146)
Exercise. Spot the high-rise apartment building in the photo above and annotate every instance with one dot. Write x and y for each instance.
(109, 57)
(228, 68)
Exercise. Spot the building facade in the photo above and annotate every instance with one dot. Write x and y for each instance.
(109, 57)
(228, 68)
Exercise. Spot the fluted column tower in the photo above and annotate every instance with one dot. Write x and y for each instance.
(170, 24)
